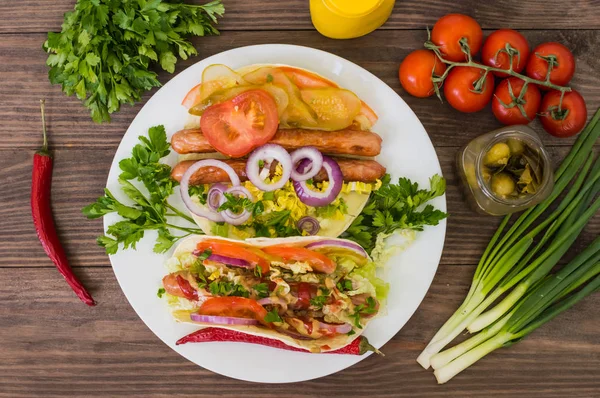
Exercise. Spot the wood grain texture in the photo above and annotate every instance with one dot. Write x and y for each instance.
(23, 81)
(80, 175)
(53, 346)
(25, 16)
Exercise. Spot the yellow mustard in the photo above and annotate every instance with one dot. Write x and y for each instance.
(346, 19)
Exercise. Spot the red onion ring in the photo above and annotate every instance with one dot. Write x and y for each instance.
(236, 218)
(309, 224)
(317, 199)
(214, 196)
(185, 181)
(222, 320)
(274, 301)
(234, 262)
(264, 153)
(311, 154)
(336, 328)
(338, 244)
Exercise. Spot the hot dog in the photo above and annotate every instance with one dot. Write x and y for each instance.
(352, 170)
(341, 142)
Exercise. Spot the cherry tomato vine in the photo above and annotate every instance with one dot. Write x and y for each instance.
(478, 86)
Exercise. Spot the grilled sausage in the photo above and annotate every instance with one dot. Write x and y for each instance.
(352, 170)
(341, 142)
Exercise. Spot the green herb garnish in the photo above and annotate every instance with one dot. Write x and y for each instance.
(161, 291)
(150, 210)
(396, 206)
(108, 50)
(344, 285)
(227, 289)
(261, 289)
(273, 316)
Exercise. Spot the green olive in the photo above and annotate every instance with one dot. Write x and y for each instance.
(502, 184)
(497, 155)
(516, 146)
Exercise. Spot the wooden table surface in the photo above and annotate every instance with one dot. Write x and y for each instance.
(53, 346)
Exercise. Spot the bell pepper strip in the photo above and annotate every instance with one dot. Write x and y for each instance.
(43, 219)
(359, 346)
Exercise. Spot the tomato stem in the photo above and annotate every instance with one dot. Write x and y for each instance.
(470, 63)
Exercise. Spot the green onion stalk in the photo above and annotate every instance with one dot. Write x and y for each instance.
(547, 300)
(538, 275)
(507, 259)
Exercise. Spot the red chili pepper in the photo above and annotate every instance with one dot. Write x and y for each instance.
(359, 346)
(43, 220)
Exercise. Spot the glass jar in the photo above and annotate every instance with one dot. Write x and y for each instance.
(346, 19)
(477, 180)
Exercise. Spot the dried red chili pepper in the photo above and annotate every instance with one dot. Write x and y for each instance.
(42, 216)
(359, 346)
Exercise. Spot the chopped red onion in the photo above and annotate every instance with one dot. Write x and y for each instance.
(265, 153)
(222, 320)
(315, 162)
(315, 198)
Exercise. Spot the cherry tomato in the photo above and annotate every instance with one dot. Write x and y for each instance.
(563, 60)
(233, 306)
(567, 121)
(460, 85)
(507, 109)
(494, 51)
(416, 71)
(237, 126)
(450, 29)
(319, 262)
(235, 250)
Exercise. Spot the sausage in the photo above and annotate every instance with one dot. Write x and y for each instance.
(352, 170)
(341, 142)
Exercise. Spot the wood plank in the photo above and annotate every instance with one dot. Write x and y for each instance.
(23, 81)
(24, 15)
(80, 176)
(53, 346)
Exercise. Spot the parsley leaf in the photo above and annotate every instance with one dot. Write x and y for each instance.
(160, 292)
(148, 211)
(344, 285)
(261, 289)
(320, 300)
(273, 316)
(396, 206)
(223, 288)
(107, 50)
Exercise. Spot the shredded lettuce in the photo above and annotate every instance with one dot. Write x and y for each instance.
(365, 280)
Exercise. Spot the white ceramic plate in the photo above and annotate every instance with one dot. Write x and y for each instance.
(407, 151)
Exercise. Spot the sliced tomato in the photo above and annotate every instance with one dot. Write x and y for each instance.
(192, 97)
(319, 262)
(178, 284)
(336, 108)
(233, 306)
(236, 250)
(237, 126)
(305, 79)
(367, 116)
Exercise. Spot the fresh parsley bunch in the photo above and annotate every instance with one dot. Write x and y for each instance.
(149, 211)
(396, 206)
(105, 48)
